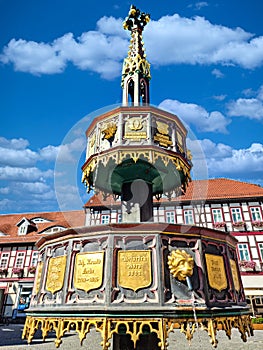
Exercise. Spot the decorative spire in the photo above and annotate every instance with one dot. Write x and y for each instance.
(136, 69)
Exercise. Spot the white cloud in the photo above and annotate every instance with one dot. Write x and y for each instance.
(170, 40)
(4, 190)
(8, 173)
(251, 108)
(217, 73)
(223, 160)
(16, 157)
(219, 97)
(196, 115)
(13, 143)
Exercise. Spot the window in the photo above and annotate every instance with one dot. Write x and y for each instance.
(4, 260)
(34, 259)
(22, 229)
(243, 251)
(170, 217)
(217, 215)
(236, 214)
(260, 247)
(20, 257)
(188, 216)
(255, 214)
(105, 219)
(119, 218)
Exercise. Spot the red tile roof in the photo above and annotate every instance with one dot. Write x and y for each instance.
(9, 228)
(205, 190)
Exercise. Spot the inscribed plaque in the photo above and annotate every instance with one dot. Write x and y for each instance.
(88, 272)
(134, 269)
(235, 274)
(56, 273)
(216, 272)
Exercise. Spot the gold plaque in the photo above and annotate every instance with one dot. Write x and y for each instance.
(162, 136)
(235, 274)
(216, 272)
(56, 273)
(88, 272)
(38, 277)
(134, 269)
(135, 129)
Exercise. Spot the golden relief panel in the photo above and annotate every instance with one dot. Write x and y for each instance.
(234, 270)
(134, 269)
(135, 129)
(88, 270)
(162, 135)
(56, 273)
(216, 271)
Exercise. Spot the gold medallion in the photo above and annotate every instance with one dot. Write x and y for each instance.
(134, 269)
(88, 271)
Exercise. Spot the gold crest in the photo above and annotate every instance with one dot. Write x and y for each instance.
(56, 273)
(134, 269)
(216, 271)
(162, 127)
(88, 271)
(181, 264)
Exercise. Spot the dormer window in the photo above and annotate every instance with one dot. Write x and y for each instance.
(26, 226)
(39, 220)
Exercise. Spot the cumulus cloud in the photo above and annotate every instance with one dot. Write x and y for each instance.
(196, 115)
(13, 143)
(223, 160)
(251, 108)
(24, 174)
(170, 40)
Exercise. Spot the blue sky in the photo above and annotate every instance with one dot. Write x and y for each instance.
(61, 60)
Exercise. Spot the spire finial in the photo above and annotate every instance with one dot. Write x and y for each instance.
(136, 69)
(136, 19)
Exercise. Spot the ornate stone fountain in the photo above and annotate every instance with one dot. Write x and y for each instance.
(136, 281)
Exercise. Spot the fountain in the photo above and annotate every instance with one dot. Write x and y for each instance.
(137, 280)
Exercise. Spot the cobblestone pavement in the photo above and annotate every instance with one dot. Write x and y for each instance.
(10, 339)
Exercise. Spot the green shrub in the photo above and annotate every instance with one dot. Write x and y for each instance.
(257, 320)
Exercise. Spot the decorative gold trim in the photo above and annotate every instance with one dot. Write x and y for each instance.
(135, 327)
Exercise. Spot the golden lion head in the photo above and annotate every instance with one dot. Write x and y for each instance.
(181, 264)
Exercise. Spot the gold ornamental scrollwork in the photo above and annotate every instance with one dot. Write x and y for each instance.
(56, 273)
(181, 264)
(134, 269)
(88, 271)
(109, 131)
(216, 271)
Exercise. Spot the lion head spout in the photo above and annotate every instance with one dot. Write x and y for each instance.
(181, 264)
